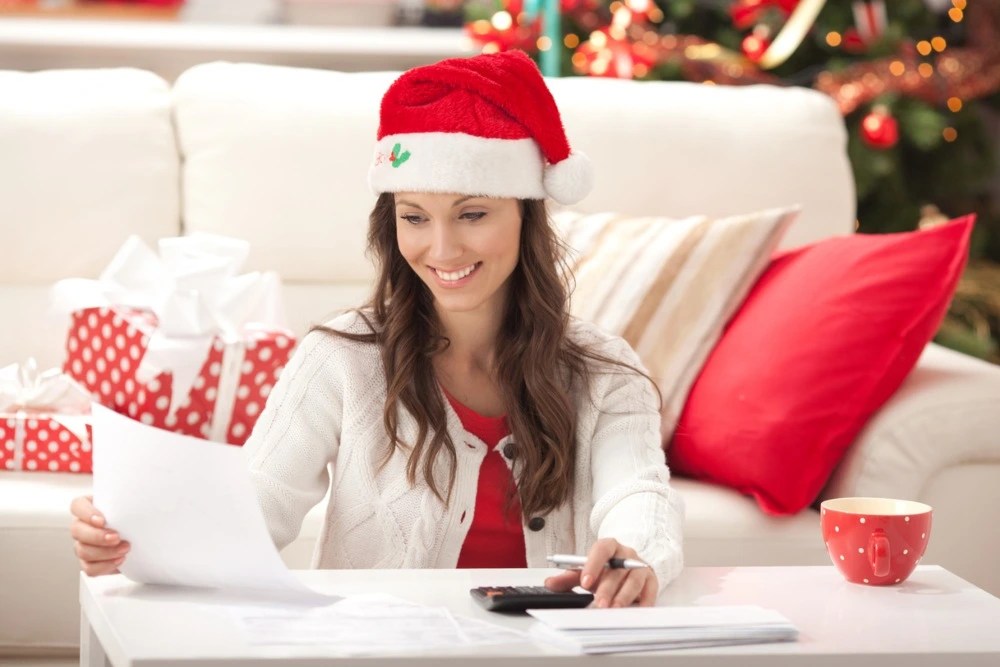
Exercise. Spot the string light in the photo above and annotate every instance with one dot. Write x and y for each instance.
(571, 41)
(481, 27)
(598, 39)
(956, 14)
(621, 19)
(959, 5)
(949, 134)
(502, 21)
(924, 47)
(544, 43)
(954, 104)
(939, 44)
(833, 38)
(926, 70)
(897, 68)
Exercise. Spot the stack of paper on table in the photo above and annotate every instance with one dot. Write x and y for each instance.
(658, 628)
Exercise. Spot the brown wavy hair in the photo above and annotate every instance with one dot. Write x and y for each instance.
(537, 384)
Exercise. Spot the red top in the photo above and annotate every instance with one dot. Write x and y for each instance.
(492, 541)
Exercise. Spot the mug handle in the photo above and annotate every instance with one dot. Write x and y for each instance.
(878, 553)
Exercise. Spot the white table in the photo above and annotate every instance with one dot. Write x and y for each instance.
(934, 618)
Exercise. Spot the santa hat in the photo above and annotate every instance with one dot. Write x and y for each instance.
(485, 125)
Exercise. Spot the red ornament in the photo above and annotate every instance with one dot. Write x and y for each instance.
(879, 129)
(756, 43)
(852, 42)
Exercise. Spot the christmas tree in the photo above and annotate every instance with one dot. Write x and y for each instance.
(916, 81)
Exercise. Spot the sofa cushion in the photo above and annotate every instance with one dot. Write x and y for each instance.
(724, 527)
(88, 157)
(825, 337)
(667, 286)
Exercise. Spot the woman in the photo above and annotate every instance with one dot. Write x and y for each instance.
(466, 419)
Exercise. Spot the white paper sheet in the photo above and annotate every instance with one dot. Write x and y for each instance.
(188, 509)
(617, 630)
(373, 624)
(638, 618)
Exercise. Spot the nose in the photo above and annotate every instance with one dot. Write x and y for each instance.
(445, 244)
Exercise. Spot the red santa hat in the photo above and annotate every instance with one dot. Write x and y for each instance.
(485, 125)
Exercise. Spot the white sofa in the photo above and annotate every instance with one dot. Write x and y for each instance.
(279, 156)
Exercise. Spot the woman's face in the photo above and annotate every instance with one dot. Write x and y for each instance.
(463, 248)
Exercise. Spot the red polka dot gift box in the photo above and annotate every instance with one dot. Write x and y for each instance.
(44, 421)
(105, 351)
(178, 339)
(45, 442)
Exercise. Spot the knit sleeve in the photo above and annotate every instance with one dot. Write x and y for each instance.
(632, 498)
(296, 438)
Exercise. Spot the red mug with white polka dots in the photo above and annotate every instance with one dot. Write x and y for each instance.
(875, 541)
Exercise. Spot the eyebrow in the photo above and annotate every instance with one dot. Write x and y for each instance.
(403, 202)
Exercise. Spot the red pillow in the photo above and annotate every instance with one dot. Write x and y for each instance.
(824, 338)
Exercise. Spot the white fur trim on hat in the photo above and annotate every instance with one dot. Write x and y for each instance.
(569, 180)
(459, 163)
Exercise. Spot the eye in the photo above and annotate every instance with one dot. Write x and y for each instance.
(473, 216)
(412, 219)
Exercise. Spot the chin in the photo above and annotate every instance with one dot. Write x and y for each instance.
(460, 305)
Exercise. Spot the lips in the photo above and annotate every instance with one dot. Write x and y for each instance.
(455, 278)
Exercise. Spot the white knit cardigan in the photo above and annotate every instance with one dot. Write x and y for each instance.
(324, 417)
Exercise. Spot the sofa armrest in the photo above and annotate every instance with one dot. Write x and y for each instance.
(945, 414)
(937, 440)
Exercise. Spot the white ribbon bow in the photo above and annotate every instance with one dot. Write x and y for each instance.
(26, 392)
(22, 387)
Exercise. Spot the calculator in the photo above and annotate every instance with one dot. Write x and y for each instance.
(519, 598)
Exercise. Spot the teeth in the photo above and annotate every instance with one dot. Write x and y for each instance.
(455, 275)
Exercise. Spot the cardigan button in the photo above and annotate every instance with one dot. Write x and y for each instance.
(536, 523)
(510, 450)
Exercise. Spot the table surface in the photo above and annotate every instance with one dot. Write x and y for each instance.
(931, 618)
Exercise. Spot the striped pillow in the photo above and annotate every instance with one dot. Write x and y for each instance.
(666, 286)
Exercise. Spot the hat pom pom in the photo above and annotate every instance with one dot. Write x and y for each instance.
(569, 180)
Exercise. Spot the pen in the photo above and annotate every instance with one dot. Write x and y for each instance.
(577, 562)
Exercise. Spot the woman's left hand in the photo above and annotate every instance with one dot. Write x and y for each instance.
(611, 587)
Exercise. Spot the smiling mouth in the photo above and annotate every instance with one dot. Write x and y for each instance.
(456, 276)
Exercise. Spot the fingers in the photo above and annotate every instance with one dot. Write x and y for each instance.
(648, 596)
(99, 549)
(630, 589)
(608, 586)
(563, 582)
(98, 568)
(598, 557)
(88, 534)
(94, 553)
(83, 508)
(614, 587)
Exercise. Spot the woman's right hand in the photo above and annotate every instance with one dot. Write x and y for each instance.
(100, 549)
